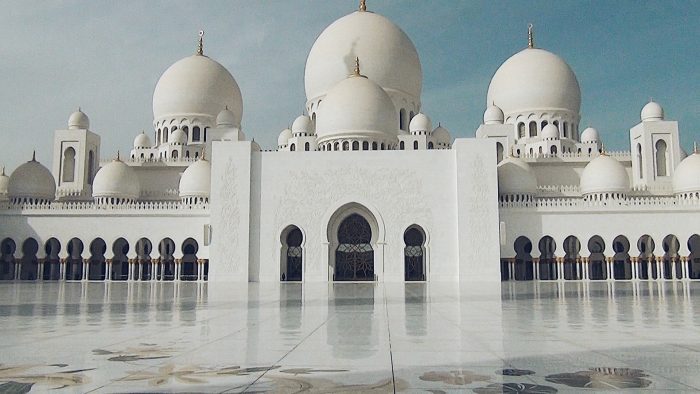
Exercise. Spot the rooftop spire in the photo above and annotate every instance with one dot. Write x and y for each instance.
(34, 155)
(363, 5)
(118, 159)
(3, 171)
(200, 45)
(530, 39)
(356, 72)
(695, 149)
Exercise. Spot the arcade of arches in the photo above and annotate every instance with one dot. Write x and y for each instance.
(628, 261)
(88, 261)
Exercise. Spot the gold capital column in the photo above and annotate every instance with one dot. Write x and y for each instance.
(108, 269)
(635, 268)
(86, 269)
(178, 269)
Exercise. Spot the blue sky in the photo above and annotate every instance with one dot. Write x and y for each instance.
(106, 57)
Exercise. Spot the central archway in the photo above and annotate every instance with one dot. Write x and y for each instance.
(354, 256)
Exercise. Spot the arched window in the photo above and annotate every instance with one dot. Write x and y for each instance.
(174, 154)
(68, 165)
(355, 145)
(91, 167)
(382, 146)
(205, 133)
(553, 150)
(639, 161)
(187, 132)
(346, 145)
(566, 130)
(430, 145)
(410, 117)
(196, 134)
(544, 123)
(521, 130)
(313, 117)
(402, 119)
(354, 257)
(533, 129)
(365, 145)
(293, 268)
(307, 146)
(166, 132)
(158, 136)
(415, 145)
(374, 145)
(336, 146)
(292, 147)
(661, 169)
(187, 154)
(499, 152)
(414, 263)
(401, 145)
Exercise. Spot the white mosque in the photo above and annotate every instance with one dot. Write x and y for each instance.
(364, 187)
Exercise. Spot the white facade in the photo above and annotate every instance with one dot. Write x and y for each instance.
(363, 188)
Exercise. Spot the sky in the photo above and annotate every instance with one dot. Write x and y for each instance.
(106, 57)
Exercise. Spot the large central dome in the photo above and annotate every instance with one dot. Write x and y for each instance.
(389, 58)
(534, 80)
(196, 86)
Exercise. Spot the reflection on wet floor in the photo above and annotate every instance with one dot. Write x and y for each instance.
(510, 337)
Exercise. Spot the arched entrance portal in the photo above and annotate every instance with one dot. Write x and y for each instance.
(292, 266)
(354, 256)
(414, 256)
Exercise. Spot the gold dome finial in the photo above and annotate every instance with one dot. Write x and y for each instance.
(3, 171)
(118, 158)
(34, 155)
(356, 72)
(695, 148)
(530, 39)
(363, 5)
(200, 45)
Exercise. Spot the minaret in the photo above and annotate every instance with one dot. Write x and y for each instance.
(76, 158)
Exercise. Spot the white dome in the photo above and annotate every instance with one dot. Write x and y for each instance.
(442, 135)
(78, 121)
(590, 135)
(196, 86)
(604, 174)
(284, 137)
(196, 180)
(116, 180)
(303, 125)
(686, 178)
(550, 132)
(142, 141)
(32, 180)
(652, 111)
(226, 118)
(388, 56)
(493, 115)
(357, 107)
(178, 137)
(516, 177)
(4, 183)
(420, 123)
(534, 80)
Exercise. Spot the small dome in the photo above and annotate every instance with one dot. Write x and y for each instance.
(196, 180)
(78, 121)
(33, 181)
(420, 123)
(652, 111)
(389, 57)
(303, 125)
(442, 135)
(196, 86)
(686, 178)
(116, 180)
(534, 80)
(604, 174)
(493, 115)
(516, 177)
(550, 132)
(590, 135)
(4, 183)
(142, 141)
(178, 137)
(226, 118)
(357, 107)
(284, 137)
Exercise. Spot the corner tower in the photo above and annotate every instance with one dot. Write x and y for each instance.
(76, 158)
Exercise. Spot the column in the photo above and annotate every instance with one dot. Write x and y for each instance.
(684, 268)
(177, 269)
(584, 268)
(536, 269)
(86, 269)
(62, 269)
(649, 271)
(40, 273)
(108, 269)
(659, 268)
(18, 269)
(130, 271)
(511, 269)
(635, 271)
(673, 268)
(560, 268)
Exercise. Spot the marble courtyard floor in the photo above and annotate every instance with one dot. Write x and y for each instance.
(440, 337)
